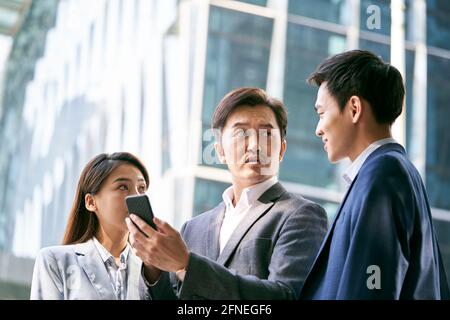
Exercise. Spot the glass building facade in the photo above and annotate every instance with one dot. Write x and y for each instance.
(145, 76)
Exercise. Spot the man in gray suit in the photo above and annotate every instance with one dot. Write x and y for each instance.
(260, 242)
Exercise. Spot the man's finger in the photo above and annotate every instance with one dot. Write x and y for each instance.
(135, 234)
(163, 226)
(145, 228)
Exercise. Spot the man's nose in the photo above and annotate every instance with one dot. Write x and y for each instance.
(253, 142)
(319, 131)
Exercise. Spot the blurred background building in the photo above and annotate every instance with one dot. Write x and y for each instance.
(81, 77)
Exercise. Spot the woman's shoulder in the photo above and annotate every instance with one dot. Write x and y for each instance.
(60, 251)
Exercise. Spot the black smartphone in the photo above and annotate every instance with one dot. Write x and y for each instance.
(140, 206)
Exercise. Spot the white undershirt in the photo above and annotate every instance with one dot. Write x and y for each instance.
(248, 200)
(117, 273)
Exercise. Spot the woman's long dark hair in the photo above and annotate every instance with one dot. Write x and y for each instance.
(82, 224)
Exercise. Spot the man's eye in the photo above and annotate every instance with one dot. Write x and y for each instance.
(266, 133)
(123, 188)
(142, 188)
(239, 134)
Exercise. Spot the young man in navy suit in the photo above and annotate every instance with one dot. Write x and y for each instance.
(382, 244)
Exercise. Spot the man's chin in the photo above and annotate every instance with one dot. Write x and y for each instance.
(333, 158)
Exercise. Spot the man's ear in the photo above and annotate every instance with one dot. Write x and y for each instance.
(220, 153)
(89, 202)
(355, 105)
(283, 149)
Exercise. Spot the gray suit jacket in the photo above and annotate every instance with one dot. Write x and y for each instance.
(268, 256)
(77, 272)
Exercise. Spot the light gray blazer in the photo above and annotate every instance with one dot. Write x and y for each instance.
(267, 257)
(77, 272)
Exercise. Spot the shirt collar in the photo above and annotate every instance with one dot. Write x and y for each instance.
(351, 172)
(250, 194)
(106, 255)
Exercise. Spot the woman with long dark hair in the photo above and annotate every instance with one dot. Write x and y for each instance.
(95, 260)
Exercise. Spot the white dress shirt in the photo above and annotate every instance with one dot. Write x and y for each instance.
(351, 172)
(117, 273)
(247, 201)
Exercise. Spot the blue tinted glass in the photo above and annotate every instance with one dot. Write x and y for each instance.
(237, 56)
(438, 23)
(328, 10)
(208, 194)
(305, 161)
(438, 134)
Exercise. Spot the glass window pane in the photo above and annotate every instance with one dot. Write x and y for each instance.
(305, 161)
(438, 135)
(328, 10)
(208, 194)
(237, 55)
(438, 17)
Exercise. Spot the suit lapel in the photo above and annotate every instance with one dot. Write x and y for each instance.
(216, 219)
(247, 222)
(91, 262)
(134, 275)
(331, 230)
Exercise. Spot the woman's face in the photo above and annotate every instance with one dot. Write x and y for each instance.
(110, 206)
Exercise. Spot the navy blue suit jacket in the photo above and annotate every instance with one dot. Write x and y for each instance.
(383, 229)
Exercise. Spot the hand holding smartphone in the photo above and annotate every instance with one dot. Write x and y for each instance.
(140, 206)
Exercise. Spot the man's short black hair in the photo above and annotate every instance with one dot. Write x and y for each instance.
(363, 74)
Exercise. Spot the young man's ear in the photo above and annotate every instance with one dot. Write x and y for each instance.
(220, 153)
(355, 108)
(283, 149)
(89, 202)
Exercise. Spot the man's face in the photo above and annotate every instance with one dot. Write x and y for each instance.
(335, 128)
(251, 144)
